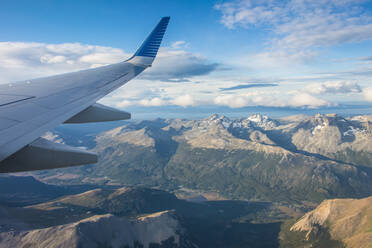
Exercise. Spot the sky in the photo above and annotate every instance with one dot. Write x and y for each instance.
(230, 57)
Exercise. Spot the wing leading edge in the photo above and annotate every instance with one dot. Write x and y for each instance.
(35, 106)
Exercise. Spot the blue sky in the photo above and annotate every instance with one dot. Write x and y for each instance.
(216, 55)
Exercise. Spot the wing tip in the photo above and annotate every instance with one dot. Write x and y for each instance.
(150, 46)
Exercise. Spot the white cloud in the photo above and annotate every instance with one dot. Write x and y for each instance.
(367, 92)
(246, 13)
(184, 101)
(156, 101)
(23, 60)
(233, 101)
(50, 59)
(179, 44)
(333, 87)
(53, 137)
(307, 100)
(123, 103)
(270, 99)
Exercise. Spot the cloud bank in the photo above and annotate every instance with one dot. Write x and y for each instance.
(333, 87)
(307, 100)
(303, 100)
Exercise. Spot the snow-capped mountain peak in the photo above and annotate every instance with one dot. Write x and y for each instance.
(252, 121)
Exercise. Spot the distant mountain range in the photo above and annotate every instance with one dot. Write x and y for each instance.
(297, 159)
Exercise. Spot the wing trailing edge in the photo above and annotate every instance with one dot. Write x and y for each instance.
(99, 113)
(44, 154)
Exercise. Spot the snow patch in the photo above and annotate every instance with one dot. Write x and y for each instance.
(317, 128)
(352, 131)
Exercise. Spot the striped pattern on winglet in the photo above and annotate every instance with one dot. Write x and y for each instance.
(150, 46)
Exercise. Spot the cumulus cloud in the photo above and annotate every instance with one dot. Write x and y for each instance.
(151, 99)
(53, 137)
(184, 101)
(25, 60)
(333, 87)
(239, 100)
(367, 92)
(156, 101)
(123, 103)
(135, 91)
(270, 100)
(307, 100)
(179, 44)
(233, 101)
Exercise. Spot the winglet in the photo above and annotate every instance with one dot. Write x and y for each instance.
(146, 54)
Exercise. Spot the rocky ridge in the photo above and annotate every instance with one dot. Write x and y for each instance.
(101, 230)
(347, 220)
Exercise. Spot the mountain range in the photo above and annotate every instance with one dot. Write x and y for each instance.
(298, 159)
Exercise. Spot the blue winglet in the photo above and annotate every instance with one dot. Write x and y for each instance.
(150, 46)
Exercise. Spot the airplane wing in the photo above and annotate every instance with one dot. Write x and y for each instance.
(30, 108)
